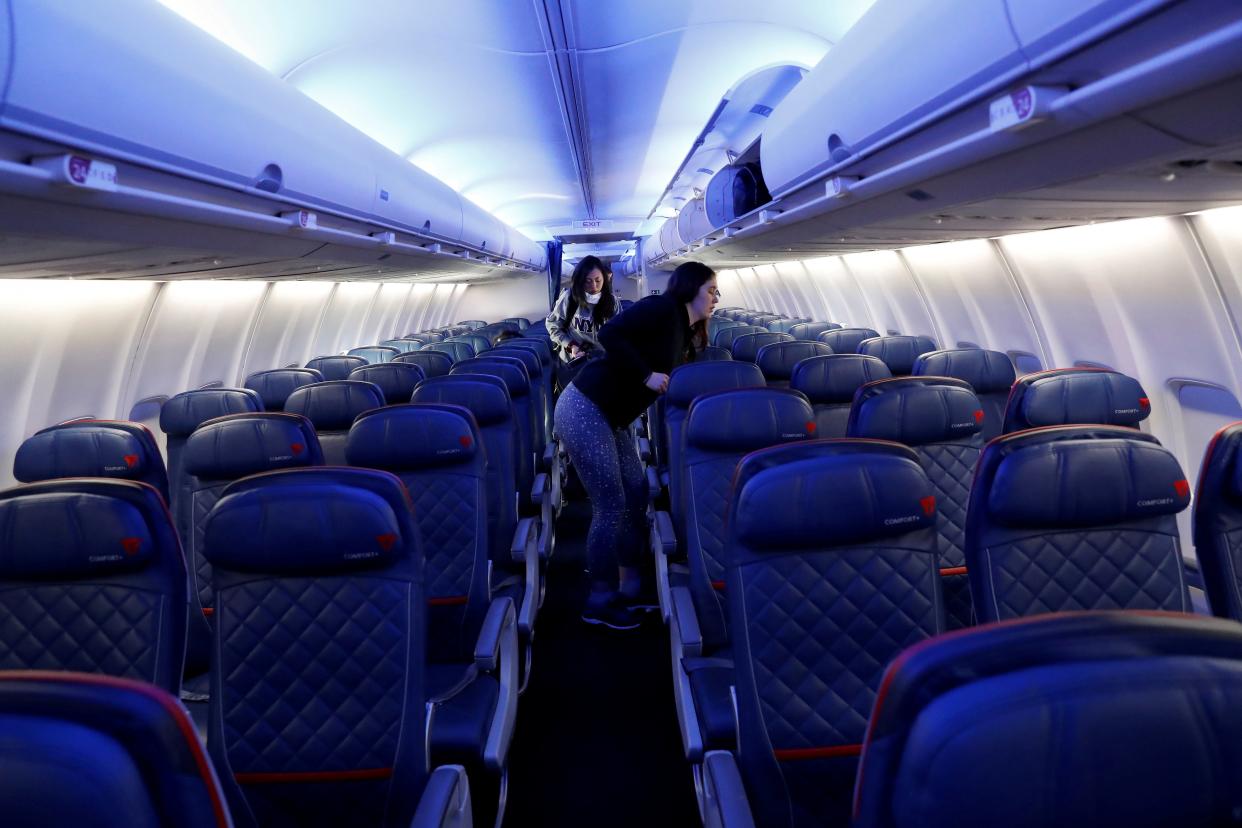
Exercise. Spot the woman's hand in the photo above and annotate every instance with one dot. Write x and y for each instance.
(657, 382)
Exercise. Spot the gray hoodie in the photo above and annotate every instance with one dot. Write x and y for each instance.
(580, 329)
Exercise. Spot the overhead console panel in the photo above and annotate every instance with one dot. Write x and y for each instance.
(942, 119)
(130, 108)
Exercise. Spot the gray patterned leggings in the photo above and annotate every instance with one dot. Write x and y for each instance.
(607, 462)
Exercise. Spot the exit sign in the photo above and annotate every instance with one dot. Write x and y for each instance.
(593, 224)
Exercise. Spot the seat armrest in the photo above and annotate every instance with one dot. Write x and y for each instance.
(724, 796)
(525, 535)
(541, 490)
(644, 449)
(487, 647)
(549, 456)
(663, 535)
(689, 636)
(524, 548)
(445, 802)
(653, 482)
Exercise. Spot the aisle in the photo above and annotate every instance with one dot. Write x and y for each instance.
(597, 741)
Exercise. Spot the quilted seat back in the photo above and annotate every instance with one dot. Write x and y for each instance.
(832, 571)
(92, 448)
(940, 418)
(989, 373)
(830, 383)
(541, 350)
(538, 400)
(437, 452)
(1076, 518)
(92, 580)
(721, 428)
(517, 381)
(317, 712)
(1076, 719)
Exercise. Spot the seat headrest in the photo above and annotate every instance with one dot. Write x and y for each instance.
(747, 346)
(402, 345)
(536, 346)
(898, 352)
(82, 528)
(433, 363)
(811, 330)
(833, 380)
(725, 336)
(336, 367)
(1005, 681)
(184, 412)
(846, 340)
(486, 397)
(375, 354)
(333, 405)
(916, 411)
(275, 386)
(988, 372)
(529, 359)
(514, 376)
(518, 361)
(1082, 482)
(689, 381)
(457, 350)
(395, 379)
(1079, 396)
(413, 436)
(777, 360)
(712, 353)
(739, 421)
(829, 493)
(88, 449)
(238, 445)
(310, 521)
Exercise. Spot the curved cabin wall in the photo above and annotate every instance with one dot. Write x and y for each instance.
(96, 348)
(1157, 298)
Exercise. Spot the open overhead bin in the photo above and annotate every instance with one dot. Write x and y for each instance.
(130, 109)
(939, 119)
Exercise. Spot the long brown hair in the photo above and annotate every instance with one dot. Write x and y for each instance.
(684, 285)
(606, 308)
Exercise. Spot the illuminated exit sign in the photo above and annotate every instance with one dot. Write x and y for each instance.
(593, 224)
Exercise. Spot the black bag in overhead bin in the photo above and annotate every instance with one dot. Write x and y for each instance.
(733, 192)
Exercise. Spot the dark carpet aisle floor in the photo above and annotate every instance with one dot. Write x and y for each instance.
(596, 741)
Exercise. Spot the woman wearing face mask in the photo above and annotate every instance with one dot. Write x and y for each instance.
(641, 348)
(580, 311)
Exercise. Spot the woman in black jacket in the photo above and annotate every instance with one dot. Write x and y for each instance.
(593, 415)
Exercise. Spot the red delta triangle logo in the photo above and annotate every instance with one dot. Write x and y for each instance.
(386, 541)
(465, 440)
(979, 416)
(131, 460)
(297, 448)
(929, 505)
(1182, 487)
(132, 546)
(810, 428)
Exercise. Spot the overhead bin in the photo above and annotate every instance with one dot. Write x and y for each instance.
(734, 191)
(140, 89)
(692, 221)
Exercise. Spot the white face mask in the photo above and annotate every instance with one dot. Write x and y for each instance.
(593, 298)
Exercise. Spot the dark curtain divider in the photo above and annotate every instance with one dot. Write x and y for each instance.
(554, 272)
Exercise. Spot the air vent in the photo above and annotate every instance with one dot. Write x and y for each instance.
(705, 171)
(270, 179)
(920, 195)
(760, 109)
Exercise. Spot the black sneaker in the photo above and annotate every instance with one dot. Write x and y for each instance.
(612, 614)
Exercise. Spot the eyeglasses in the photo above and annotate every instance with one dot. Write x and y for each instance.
(714, 292)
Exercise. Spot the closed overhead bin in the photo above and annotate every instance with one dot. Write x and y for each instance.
(692, 221)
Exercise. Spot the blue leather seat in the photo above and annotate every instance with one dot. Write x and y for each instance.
(846, 340)
(712, 353)
(438, 454)
(319, 692)
(830, 383)
(940, 419)
(533, 367)
(521, 322)
(473, 324)
(432, 363)
(784, 325)
(725, 336)
(1064, 396)
(518, 383)
(543, 350)
(831, 572)
(539, 329)
(478, 343)
(1076, 518)
(275, 386)
(746, 347)
(777, 360)
(721, 428)
(375, 354)
(226, 449)
(1115, 720)
(403, 345)
(395, 379)
(990, 374)
(1217, 521)
(336, 367)
(431, 337)
(810, 331)
(92, 448)
(184, 412)
(456, 349)
(97, 751)
(898, 352)
(510, 539)
(92, 580)
(716, 323)
(331, 408)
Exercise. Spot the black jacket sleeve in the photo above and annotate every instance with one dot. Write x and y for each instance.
(641, 322)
